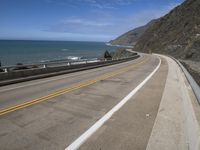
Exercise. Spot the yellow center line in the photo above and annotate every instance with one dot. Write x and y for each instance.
(70, 89)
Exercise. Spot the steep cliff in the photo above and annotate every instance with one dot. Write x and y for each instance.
(176, 34)
(131, 37)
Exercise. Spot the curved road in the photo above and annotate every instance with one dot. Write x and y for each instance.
(52, 113)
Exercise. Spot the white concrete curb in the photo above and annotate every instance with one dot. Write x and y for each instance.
(176, 126)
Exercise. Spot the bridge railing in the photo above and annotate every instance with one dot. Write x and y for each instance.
(5, 69)
(35, 71)
(46, 64)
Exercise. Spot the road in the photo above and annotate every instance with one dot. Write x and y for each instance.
(52, 113)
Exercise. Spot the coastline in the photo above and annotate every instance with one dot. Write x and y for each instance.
(29, 51)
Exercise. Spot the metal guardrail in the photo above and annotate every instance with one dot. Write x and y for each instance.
(53, 69)
(193, 83)
(55, 64)
(48, 64)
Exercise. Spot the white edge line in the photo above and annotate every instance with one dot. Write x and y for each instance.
(81, 139)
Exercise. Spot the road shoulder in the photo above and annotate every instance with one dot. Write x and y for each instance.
(176, 126)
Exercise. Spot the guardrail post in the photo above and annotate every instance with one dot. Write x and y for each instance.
(44, 66)
(6, 70)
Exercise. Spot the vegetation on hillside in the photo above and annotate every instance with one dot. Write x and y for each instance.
(176, 34)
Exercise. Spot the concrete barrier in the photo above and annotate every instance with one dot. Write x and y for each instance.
(16, 76)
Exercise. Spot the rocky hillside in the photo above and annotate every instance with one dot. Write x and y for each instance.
(176, 34)
(131, 37)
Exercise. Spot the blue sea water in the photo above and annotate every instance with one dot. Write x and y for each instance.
(26, 52)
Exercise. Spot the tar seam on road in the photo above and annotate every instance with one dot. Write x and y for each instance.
(67, 90)
(81, 139)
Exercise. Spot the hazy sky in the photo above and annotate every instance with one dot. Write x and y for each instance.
(82, 20)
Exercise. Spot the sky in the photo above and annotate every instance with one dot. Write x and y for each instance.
(77, 20)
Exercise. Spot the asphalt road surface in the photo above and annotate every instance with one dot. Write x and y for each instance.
(52, 113)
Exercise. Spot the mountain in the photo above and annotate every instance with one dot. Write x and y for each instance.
(132, 36)
(176, 34)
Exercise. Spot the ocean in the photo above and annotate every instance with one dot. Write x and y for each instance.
(28, 52)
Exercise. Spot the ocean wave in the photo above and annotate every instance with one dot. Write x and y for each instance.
(120, 46)
(109, 44)
(43, 61)
(73, 58)
(64, 49)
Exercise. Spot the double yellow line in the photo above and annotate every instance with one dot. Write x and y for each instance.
(67, 90)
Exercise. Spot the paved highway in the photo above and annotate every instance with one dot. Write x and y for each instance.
(112, 107)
